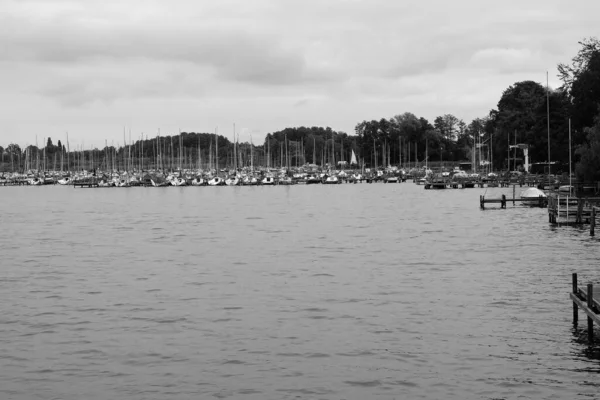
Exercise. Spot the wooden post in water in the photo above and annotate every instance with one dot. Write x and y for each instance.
(514, 189)
(590, 304)
(575, 314)
(503, 203)
(593, 221)
(579, 218)
(481, 202)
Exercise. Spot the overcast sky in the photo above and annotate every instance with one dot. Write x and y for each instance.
(94, 67)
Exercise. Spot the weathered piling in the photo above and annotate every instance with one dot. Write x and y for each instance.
(590, 304)
(575, 313)
(514, 194)
(593, 222)
(578, 217)
(585, 301)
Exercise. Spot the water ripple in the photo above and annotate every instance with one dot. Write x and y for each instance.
(385, 291)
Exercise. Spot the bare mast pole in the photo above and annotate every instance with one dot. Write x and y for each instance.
(548, 117)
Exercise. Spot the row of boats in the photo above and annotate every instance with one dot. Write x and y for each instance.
(239, 179)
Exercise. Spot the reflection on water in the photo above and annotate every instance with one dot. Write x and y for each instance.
(350, 291)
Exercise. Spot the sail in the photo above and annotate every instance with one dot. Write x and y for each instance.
(353, 159)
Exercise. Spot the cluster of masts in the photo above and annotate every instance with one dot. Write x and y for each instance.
(167, 153)
(308, 174)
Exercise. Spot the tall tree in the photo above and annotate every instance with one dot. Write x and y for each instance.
(522, 118)
(588, 168)
(449, 126)
(581, 81)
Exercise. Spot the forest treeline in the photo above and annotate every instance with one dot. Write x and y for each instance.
(527, 113)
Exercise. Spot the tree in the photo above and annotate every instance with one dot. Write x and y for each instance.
(449, 126)
(581, 82)
(588, 168)
(585, 94)
(14, 150)
(522, 118)
(580, 63)
(368, 136)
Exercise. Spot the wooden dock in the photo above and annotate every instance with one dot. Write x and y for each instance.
(539, 202)
(86, 183)
(564, 209)
(588, 302)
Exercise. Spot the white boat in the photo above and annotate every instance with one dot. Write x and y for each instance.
(65, 181)
(533, 196)
(285, 180)
(331, 180)
(122, 183)
(216, 181)
(249, 181)
(159, 181)
(178, 182)
(567, 189)
(353, 160)
(357, 178)
(268, 180)
(105, 183)
(198, 181)
(36, 181)
(313, 180)
(392, 179)
(232, 181)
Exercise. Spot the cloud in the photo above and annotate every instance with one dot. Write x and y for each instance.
(301, 103)
(233, 55)
(272, 63)
(506, 60)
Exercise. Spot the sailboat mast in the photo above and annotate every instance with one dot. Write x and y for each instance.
(342, 155)
(548, 117)
(217, 150)
(234, 150)
(570, 154)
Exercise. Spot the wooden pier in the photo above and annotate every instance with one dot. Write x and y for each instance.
(588, 302)
(539, 202)
(564, 209)
(14, 182)
(86, 183)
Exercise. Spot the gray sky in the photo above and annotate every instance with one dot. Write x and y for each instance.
(95, 67)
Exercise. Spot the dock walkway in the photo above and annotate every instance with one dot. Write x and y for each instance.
(589, 302)
(564, 209)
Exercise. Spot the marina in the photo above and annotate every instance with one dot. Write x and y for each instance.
(276, 200)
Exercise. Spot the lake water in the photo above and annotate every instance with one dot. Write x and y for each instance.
(304, 292)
